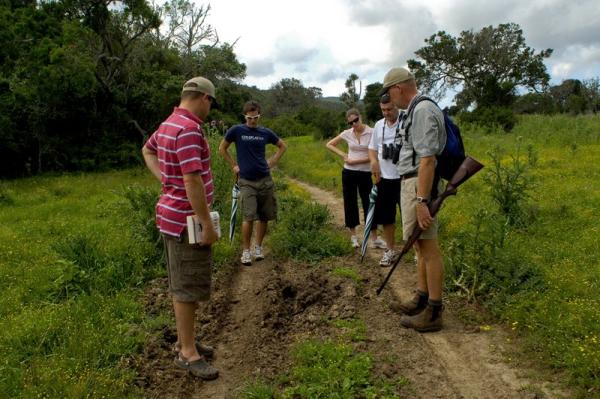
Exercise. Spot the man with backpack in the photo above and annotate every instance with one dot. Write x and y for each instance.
(422, 138)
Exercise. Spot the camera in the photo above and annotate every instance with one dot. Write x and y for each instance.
(391, 152)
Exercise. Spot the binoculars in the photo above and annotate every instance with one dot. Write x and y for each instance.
(391, 152)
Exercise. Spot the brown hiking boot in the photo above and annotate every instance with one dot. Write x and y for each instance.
(428, 320)
(411, 307)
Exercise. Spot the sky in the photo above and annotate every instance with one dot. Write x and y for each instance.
(321, 42)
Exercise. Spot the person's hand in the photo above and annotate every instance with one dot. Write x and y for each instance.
(270, 163)
(236, 169)
(376, 171)
(209, 235)
(423, 216)
(347, 160)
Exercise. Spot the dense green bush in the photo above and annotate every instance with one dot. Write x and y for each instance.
(535, 103)
(140, 207)
(511, 184)
(327, 122)
(491, 117)
(304, 232)
(288, 126)
(6, 197)
(482, 264)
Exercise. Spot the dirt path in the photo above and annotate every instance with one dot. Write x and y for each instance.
(258, 313)
(471, 365)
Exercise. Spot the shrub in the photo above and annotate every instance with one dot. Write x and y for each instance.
(510, 184)
(491, 117)
(332, 370)
(223, 179)
(483, 264)
(139, 208)
(82, 262)
(87, 269)
(304, 233)
(288, 126)
(6, 196)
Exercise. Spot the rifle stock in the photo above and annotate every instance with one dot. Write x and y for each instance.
(468, 168)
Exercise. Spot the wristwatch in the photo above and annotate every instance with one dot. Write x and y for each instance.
(422, 200)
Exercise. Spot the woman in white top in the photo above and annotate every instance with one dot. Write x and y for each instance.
(356, 175)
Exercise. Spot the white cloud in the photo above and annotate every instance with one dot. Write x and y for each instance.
(260, 68)
(562, 70)
(321, 42)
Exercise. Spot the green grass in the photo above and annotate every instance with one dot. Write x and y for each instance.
(560, 321)
(309, 160)
(72, 271)
(328, 369)
(347, 272)
(304, 233)
(75, 254)
(54, 341)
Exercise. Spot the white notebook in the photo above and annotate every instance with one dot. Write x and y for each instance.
(194, 227)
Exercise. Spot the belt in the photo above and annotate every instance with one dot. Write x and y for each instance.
(409, 175)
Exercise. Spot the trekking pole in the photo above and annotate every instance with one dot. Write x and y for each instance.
(467, 169)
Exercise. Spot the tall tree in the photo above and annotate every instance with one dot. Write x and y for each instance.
(591, 92)
(565, 93)
(187, 26)
(489, 65)
(371, 100)
(289, 95)
(351, 96)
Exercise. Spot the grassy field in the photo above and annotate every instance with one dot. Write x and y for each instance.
(73, 264)
(63, 328)
(542, 275)
(75, 253)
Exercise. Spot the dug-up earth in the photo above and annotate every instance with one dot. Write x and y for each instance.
(257, 313)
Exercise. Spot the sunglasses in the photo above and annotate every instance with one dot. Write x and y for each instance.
(251, 118)
(353, 121)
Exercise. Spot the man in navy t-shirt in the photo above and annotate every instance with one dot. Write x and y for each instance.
(254, 176)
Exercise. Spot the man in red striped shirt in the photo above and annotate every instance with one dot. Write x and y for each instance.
(178, 155)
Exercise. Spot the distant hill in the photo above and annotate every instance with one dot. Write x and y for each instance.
(332, 103)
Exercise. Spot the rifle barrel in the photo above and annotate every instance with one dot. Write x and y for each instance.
(466, 170)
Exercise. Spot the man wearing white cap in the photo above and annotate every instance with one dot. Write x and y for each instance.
(178, 155)
(421, 143)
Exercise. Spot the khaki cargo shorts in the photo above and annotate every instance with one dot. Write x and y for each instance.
(408, 206)
(189, 268)
(258, 199)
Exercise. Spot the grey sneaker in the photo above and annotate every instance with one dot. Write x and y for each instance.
(199, 368)
(388, 257)
(379, 243)
(258, 253)
(354, 241)
(246, 258)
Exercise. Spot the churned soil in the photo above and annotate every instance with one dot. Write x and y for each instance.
(258, 312)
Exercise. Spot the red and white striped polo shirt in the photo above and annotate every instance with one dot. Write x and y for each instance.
(181, 149)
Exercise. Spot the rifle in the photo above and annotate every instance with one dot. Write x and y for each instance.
(467, 169)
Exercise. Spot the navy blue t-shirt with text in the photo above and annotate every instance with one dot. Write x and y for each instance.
(250, 146)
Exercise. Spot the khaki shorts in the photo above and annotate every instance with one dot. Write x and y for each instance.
(189, 268)
(408, 206)
(258, 199)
